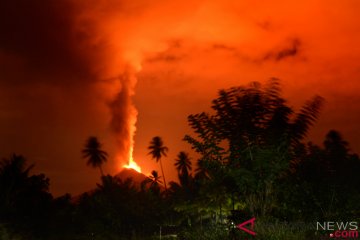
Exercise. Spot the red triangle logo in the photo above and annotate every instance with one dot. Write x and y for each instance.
(252, 222)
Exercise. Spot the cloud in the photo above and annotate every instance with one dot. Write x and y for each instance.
(69, 69)
(45, 39)
(56, 82)
(292, 50)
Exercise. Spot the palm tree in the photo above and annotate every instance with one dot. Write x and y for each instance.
(157, 150)
(201, 172)
(15, 167)
(18, 187)
(154, 179)
(183, 166)
(95, 156)
(13, 177)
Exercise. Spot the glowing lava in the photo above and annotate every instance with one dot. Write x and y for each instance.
(132, 164)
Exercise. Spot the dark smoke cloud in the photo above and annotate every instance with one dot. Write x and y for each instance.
(174, 53)
(123, 117)
(53, 95)
(291, 50)
(43, 37)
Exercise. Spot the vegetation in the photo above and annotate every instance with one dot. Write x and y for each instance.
(183, 166)
(92, 151)
(252, 162)
(157, 151)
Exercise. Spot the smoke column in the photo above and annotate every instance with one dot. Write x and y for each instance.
(123, 120)
(76, 55)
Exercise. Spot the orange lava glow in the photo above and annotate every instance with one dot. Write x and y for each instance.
(133, 165)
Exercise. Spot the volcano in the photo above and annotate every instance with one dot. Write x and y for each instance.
(128, 173)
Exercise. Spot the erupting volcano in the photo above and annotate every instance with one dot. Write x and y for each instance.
(132, 164)
(72, 69)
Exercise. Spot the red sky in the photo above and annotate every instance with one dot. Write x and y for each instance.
(70, 69)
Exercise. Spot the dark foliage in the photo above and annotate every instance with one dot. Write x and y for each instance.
(252, 161)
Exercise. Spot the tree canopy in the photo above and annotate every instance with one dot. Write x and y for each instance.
(94, 154)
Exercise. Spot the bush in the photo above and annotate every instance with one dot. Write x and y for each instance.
(207, 233)
(276, 230)
(6, 235)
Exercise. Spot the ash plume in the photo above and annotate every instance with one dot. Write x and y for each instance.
(124, 117)
(54, 56)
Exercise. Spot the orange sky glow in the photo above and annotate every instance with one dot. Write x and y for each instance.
(126, 71)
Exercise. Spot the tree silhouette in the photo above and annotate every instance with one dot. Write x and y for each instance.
(251, 134)
(25, 201)
(324, 179)
(95, 156)
(157, 150)
(154, 179)
(13, 177)
(183, 166)
(201, 172)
